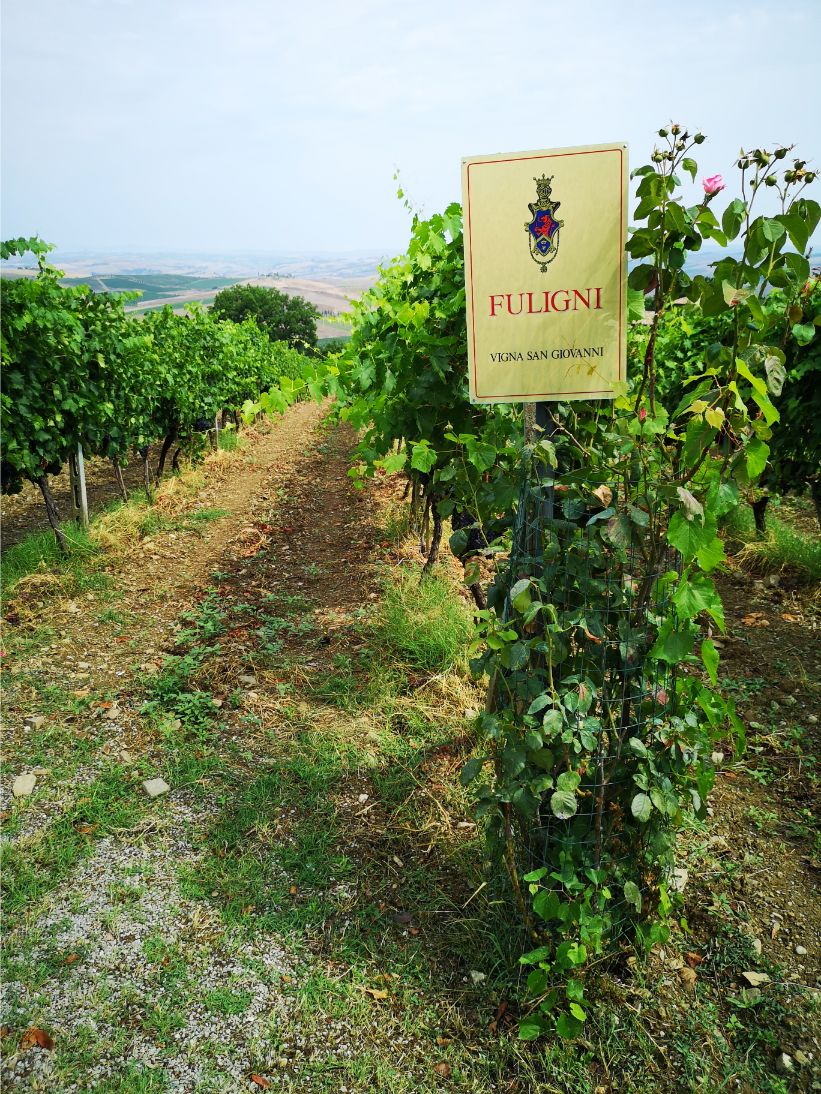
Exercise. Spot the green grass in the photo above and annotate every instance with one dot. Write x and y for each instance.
(225, 1001)
(784, 547)
(252, 886)
(229, 440)
(203, 516)
(424, 622)
(39, 552)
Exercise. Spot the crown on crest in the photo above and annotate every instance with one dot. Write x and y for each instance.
(543, 189)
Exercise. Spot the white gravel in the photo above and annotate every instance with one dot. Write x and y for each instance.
(120, 911)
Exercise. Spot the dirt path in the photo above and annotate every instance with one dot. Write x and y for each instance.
(157, 579)
(98, 903)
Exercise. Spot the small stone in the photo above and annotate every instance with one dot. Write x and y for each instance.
(249, 681)
(476, 976)
(784, 1064)
(470, 714)
(801, 951)
(155, 787)
(83, 664)
(757, 946)
(688, 978)
(678, 881)
(812, 719)
(717, 758)
(125, 756)
(112, 713)
(790, 701)
(362, 799)
(34, 721)
(802, 1059)
(756, 979)
(23, 784)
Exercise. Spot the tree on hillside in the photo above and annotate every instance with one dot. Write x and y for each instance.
(284, 318)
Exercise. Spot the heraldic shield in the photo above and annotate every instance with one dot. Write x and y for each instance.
(543, 229)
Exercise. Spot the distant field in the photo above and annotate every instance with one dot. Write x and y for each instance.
(154, 287)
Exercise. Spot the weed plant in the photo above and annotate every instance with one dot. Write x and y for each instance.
(424, 623)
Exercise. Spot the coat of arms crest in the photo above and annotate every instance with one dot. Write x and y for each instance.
(543, 229)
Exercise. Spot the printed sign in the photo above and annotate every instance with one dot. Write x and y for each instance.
(546, 273)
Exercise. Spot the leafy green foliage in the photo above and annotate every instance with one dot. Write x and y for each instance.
(42, 347)
(687, 340)
(402, 378)
(77, 369)
(596, 743)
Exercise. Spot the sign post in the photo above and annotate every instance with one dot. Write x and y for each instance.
(546, 280)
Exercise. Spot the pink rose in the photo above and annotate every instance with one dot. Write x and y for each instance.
(713, 185)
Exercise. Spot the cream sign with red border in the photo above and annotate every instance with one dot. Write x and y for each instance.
(545, 273)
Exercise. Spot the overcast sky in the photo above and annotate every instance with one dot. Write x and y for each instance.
(251, 125)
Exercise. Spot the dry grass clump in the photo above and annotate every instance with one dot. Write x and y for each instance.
(119, 528)
(24, 604)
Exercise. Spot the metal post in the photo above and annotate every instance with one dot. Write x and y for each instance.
(547, 423)
(77, 477)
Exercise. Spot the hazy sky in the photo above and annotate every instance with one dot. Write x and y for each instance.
(251, 125)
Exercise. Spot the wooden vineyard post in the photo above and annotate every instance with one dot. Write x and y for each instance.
(118, 472)
(77, 476)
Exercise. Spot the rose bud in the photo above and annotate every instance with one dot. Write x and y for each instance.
(713, 185)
